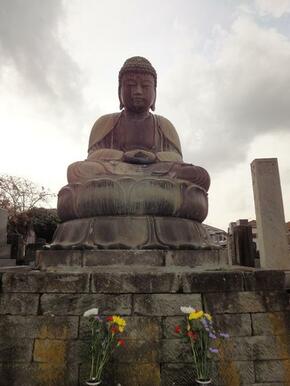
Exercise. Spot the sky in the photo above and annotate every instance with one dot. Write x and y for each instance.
(223, 81)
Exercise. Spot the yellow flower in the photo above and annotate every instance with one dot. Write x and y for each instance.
(120, 322)
(195, 315)
(208, 316)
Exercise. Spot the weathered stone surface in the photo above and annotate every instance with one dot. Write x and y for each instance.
(273, 244)
(145, 374)
(59, 352)
(36, 281)
(264, 280)
(51, 258)
(19, 304)
(134, 282)
(41, 327)
(272, 371)
(271, 347)
(124, 257)
(12, 350)
(234, 373)
(271, 323)
(175, 350)
(164, 304)
(213, 281)
(243, 302)
(77, 304)
(137, 351)
(177, 374)
(3, 226)
(234, 324)
(38, 374)
(196, 258)
(5, 252)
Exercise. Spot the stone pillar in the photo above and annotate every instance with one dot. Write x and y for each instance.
(3, 226)
(271, 228)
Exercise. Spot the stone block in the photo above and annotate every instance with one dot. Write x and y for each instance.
(214, 281)
(272, 371)
(196, 258)
(7, 262)
(234, 373)
(244, 302)
(264, 280)
(234, 324)
(175, 351)
(134, 282)
(237, 349)
(77, 304)
(12, 350)
(58, 258)
(164, 304)
(124, 257)
(18, 304)
(271, 347)
(177, 374)
(35, 281)
(5, 251)
(271, 323)
(145, 374)
(135, 351)
(42, 327)
(59, 352)
(38, 374)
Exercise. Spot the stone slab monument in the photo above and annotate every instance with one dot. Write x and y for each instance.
(5, 249)
(134, 191)
(271, 228)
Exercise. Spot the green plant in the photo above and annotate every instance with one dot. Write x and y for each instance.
(204, 340)
(105, 337)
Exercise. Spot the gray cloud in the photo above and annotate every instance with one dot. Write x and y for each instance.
(30, 42)
(239, 93)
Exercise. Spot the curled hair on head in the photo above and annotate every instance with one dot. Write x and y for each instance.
(138, 64)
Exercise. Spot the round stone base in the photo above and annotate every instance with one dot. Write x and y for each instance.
(131, 232)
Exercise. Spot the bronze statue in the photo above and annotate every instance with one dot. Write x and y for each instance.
(134, 190)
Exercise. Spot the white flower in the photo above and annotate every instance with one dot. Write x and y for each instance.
(187, 310)
(91, 312)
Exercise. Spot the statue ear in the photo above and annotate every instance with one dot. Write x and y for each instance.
(152, 107)
(119, 94)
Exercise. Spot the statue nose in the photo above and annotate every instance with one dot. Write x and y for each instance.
(138, 90)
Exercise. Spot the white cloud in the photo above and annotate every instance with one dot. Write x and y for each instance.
(275, 8)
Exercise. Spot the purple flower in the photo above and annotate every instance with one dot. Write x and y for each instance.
(212, 336)
(214, 350)
(224, 335)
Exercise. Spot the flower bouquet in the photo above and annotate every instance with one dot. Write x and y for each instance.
(203, 339)
(105, 337)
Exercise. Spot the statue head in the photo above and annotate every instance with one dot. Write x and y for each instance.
(137, 85)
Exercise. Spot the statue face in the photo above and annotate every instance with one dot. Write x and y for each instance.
(137, 92)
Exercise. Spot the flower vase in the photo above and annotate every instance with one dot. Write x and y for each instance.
(203, 382)
(93, 383)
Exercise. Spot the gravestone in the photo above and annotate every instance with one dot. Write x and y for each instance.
(5, 249)
(271, 228)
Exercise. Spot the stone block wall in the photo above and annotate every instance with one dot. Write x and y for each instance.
(43, 334)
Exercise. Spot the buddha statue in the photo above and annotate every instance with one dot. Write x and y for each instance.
(134, 190)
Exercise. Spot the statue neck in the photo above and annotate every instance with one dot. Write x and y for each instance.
(133, 115)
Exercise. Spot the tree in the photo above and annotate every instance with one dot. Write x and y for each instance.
(18, 194)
